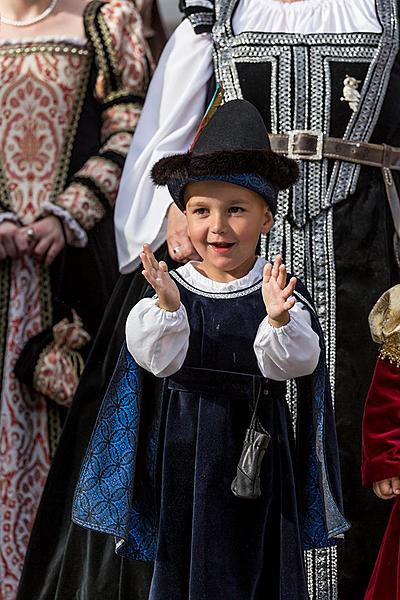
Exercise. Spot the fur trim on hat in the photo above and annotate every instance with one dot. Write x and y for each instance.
(279, 170)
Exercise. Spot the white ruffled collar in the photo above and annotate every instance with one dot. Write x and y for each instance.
(192, 276)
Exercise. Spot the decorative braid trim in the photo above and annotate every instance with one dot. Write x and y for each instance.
(391, 353)
(122, 97)
(95, 31)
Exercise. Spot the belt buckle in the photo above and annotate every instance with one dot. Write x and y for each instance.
(319, 144)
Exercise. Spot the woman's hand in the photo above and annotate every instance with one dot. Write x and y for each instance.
(8, 244)
(387, 488)
(276, 294)
(158, 277)
(179, 245)
(43, 239)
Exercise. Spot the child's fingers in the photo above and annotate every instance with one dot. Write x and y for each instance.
(267, 272)
(277, 264)
(150, 256)
(289, 289)
(145, 259)
(290, 302)
(383, 489)
(163, 266)
(146, 263)
(396, 485)
(148, 277)
(282, 276)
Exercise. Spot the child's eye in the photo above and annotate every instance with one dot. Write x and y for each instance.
(236, 209)
(200, 211)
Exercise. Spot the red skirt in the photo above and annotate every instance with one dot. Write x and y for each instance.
(385, 580)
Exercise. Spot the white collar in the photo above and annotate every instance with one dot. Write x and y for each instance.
(192, 276)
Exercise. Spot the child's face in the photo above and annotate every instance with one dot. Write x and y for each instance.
(224, 223)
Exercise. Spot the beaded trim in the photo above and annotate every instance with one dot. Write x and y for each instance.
(220, 295)
(391, 353)
(40, 47)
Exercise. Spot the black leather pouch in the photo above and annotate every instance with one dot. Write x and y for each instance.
(246, 484)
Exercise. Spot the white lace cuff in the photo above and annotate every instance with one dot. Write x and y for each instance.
(79, 236)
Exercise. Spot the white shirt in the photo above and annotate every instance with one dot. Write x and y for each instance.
(158, 340)
(175, 104)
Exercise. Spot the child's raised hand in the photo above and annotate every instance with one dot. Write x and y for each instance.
(158, 277)
(276, 294)
(387, 488)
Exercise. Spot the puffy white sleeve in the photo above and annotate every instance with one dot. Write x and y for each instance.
(289, 351)
(157, 339)
(174, 107)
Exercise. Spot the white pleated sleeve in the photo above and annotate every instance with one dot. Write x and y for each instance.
(174, 107)
(290, 351)
(157, 339)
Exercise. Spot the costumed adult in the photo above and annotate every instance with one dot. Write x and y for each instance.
(381, 440)
(73, 76)
(324, 75)
(321, 65)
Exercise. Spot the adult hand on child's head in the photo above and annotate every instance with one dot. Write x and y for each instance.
(277, 295)
(156, 273)
(179, 245)
(387, 488)
(8, 244)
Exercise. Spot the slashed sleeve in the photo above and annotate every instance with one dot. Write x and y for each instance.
(290, 351)
(157, 339)
(115, 31)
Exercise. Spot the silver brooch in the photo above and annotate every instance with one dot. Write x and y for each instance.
(351, 93)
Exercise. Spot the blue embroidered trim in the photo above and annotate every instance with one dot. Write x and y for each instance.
(104, 498)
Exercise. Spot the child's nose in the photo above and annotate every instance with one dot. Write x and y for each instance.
(218, 225)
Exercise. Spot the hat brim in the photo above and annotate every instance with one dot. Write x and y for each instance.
(277, 169)
(272, 171)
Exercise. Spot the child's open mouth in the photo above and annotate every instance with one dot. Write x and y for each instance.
(221, 247)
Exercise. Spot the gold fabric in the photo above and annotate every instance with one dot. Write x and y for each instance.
(384, 322)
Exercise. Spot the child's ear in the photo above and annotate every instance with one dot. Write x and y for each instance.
(268, 222)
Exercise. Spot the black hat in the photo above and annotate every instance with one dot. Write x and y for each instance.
(232, 146)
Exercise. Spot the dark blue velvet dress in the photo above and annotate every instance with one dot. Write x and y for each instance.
(212, 544)
(158, 471)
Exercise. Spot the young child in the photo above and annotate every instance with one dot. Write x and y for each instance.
(225, 334)
(381, 440)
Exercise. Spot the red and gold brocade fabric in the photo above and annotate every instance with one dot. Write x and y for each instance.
(95, 186)
(39, 94)
(43, 85)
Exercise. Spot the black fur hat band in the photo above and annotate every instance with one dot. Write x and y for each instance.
(233, 147)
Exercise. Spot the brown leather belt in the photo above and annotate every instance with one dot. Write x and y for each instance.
(314, 145)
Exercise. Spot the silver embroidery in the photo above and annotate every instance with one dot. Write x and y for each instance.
(197, 19)
(218, 295)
